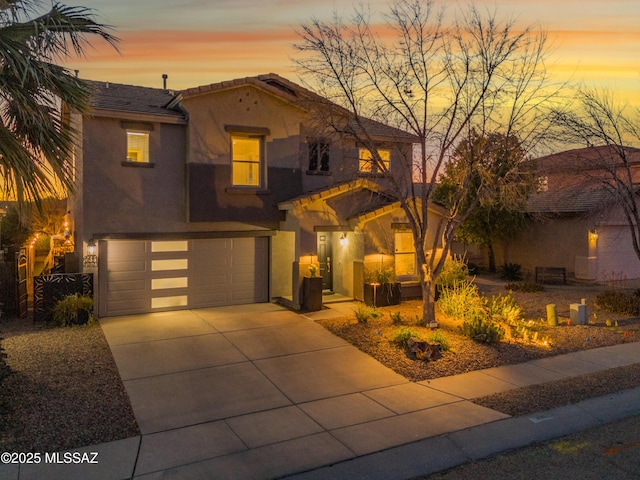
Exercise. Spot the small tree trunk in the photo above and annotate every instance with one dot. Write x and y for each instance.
(492, 258)
(428, 302)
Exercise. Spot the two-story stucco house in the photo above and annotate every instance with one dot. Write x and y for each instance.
(226, 194)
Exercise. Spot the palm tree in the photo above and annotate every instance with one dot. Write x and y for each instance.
(35, 142)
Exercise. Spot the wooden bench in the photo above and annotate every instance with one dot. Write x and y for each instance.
(551, 275)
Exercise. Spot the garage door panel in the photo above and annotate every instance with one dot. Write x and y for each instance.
(115, 277)
(616, 257)
(210, 299)
(136, 265)
(128, 286)
(211, 280)
(243, 280)
(127, 307)
(127, 251)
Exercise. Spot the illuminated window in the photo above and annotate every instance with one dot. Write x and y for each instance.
(169, 302)
(173, 264)
(246, 157)
(405, 252)
(165, 283)
(318, 156)
(369, 165)
(170, 246)
(137, 146)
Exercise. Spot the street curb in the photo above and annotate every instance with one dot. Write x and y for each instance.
(436, 454)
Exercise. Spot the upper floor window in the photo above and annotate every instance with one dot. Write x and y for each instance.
(137, 146)
(369, 165)
(247, 160)
(319, 156)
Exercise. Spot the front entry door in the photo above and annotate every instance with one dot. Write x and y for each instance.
(325, 259)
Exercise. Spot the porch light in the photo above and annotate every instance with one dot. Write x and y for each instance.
(593, 234)
(91, 259)
(344, 241)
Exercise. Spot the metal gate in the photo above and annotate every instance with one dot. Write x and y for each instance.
(22, 296)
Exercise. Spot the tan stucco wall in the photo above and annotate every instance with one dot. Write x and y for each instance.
(282, 260)
(245, 106)
(550, 243)
(119, 198)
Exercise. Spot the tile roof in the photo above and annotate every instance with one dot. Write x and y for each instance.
(580, 159)
(575, 200)
(577, 180)
(134, 99)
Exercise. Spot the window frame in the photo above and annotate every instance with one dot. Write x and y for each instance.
(260, 162)
(318, 156)
(403, 252)
(364, 152)
(144, 151)
(248, 131)
(142, 129)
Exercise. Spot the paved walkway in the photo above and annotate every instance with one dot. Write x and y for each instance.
(259, 392)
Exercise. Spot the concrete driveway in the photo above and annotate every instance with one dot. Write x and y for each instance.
(257, 391)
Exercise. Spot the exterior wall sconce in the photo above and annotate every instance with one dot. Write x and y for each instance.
(344, 241)
(593, 234)
(91, 259)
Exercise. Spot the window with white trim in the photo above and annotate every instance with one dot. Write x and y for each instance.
(137, 146)
(247, 160)
(405, 254)
(367, 164)
(318, 156)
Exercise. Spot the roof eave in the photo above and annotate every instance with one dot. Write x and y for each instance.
(138, 116)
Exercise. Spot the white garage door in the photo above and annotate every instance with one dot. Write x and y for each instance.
(147, 276)
(617, 260)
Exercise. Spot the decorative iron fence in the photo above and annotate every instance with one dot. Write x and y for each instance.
(48, 289)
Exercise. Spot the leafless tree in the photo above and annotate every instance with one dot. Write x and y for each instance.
(599, 120)
(438, 80)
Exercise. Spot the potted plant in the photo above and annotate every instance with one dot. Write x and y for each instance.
(312, 290)
(381, 289)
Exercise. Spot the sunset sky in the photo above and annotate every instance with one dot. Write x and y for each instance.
(198, 42)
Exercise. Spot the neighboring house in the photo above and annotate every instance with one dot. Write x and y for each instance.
(223, 194)
(577, 224)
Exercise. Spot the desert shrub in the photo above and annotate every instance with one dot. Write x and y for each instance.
(364, 312)
(453, 272)
(461, 301)
(72, 310)
(511, 272)
(440, 338)
(505, 309)
(508, 314)
(482, 329)
(401, 336)
(616, 301)
(527, 287)
(396, 318)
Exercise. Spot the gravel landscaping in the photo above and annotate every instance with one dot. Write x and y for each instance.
(375, 338)
(64, 390)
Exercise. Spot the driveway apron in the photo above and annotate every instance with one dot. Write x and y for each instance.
(257, 391)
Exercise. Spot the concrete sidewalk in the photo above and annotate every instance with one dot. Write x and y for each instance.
(260, 392)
